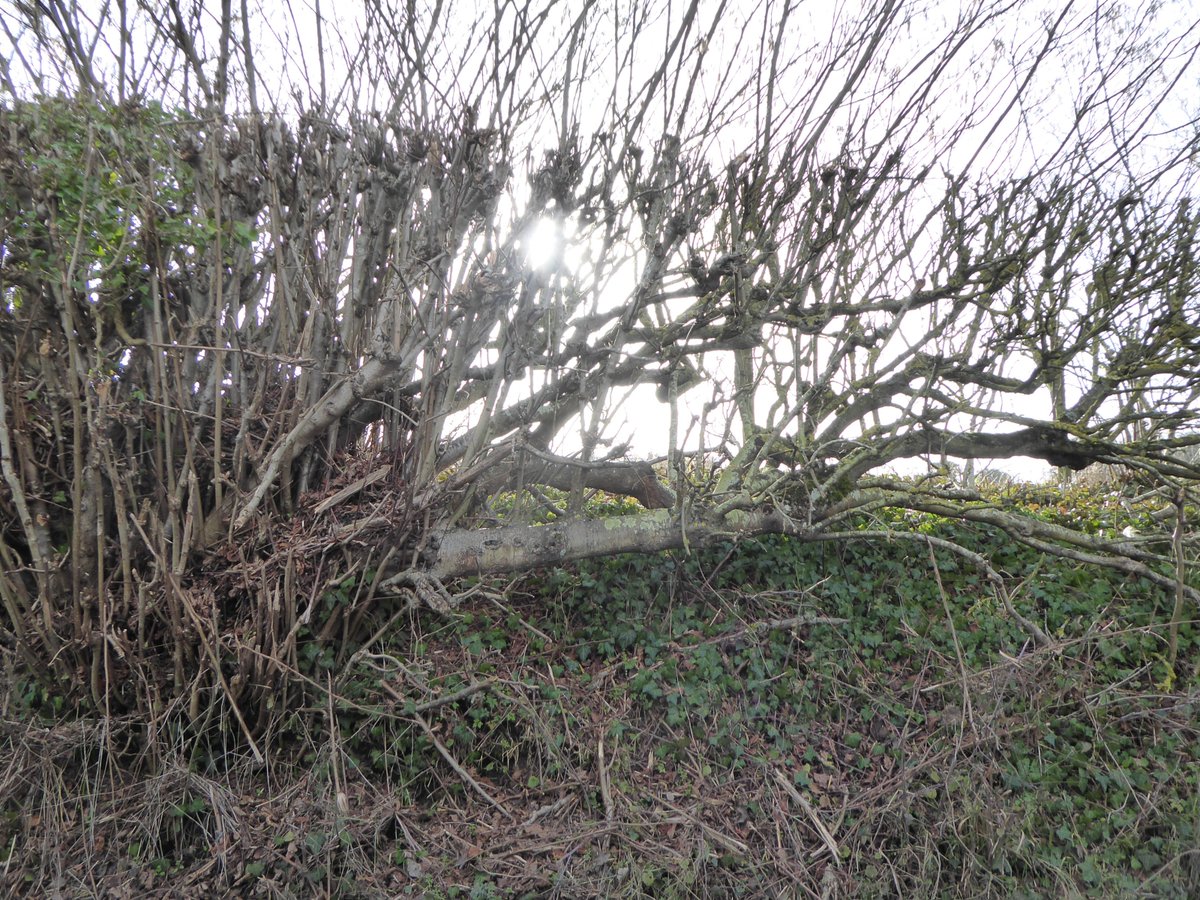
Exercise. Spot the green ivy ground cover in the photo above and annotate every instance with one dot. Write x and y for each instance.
(626, 727)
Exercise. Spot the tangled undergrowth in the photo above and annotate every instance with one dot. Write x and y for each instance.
(768, 719)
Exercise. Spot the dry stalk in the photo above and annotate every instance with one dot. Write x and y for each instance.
(822, 831)
(958, 654)
(605, 787)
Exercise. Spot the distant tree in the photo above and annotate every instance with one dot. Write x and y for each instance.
(298, 308)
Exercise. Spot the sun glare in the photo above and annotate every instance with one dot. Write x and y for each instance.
(543, 243)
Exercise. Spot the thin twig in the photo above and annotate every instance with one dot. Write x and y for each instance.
(473, 688)
(543, 811)
(462, 773)
(733, 845)
(1180, 583)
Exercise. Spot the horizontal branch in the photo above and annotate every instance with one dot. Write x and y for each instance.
(494, 551)
(628, 479)
(518, 548)
(1053, 445)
